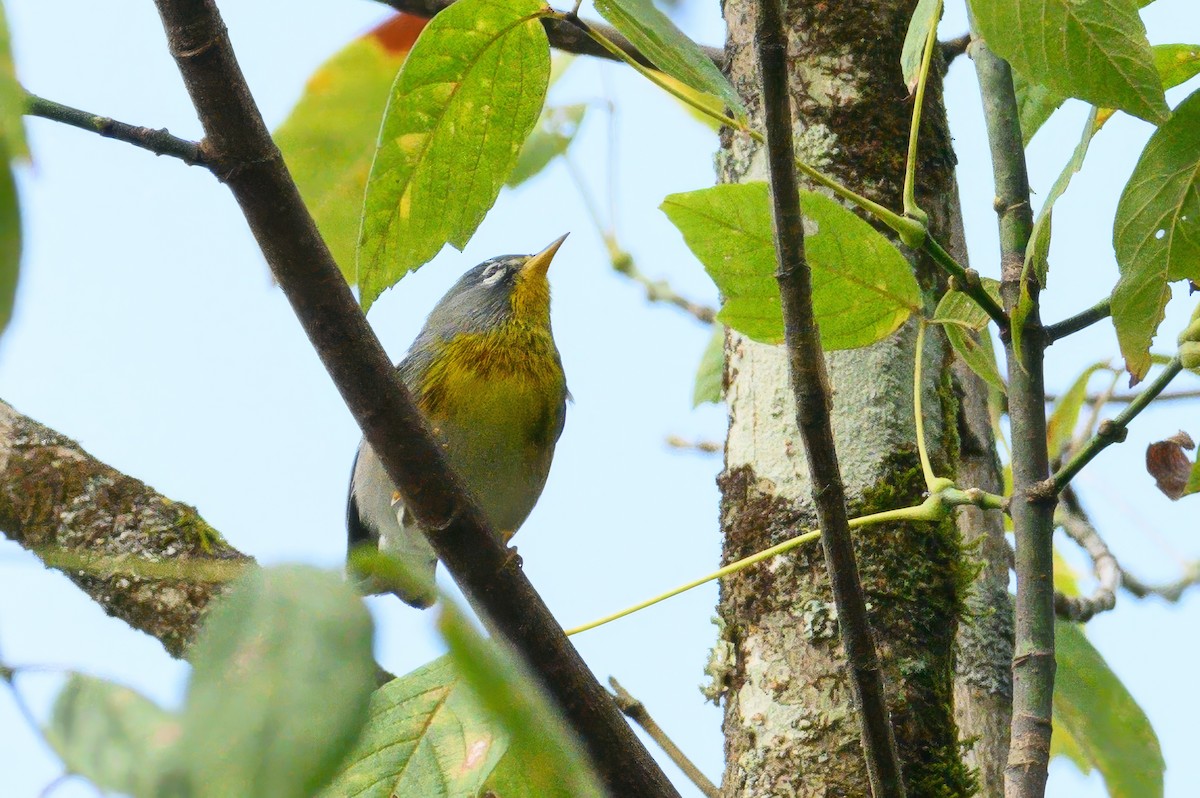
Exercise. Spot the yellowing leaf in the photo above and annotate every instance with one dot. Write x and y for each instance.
(328, 139)
(465, 100)
(1106, 726)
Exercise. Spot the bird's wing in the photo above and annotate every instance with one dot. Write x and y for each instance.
(373, 518)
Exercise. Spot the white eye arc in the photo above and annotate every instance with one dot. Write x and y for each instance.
(492, 274)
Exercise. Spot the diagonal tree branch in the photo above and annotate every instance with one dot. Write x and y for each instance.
(97, 526)
(247, 160)
(810, 385)
(562, 34)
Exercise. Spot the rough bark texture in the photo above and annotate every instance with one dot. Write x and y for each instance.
(83, 517)
(789, 725)
(983, 670)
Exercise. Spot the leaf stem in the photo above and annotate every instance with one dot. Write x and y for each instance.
(918, 412)
(1097, 312)
(1114, 430)
(927, 511)
(910, 168)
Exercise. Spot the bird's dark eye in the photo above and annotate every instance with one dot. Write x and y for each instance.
(492, 274)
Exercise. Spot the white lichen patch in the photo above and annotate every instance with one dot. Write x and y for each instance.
(816, 144)
(833, 79)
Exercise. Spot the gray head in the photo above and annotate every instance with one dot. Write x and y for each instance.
(496, 292)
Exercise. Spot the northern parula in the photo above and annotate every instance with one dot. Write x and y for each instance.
(487, 376)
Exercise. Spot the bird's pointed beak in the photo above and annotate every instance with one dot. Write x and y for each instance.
(539, 264)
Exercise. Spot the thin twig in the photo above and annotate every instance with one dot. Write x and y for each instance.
(623, 263)
(250, 164)
(1032, 514)
(1078, 527)
(562, 35)
(636, 711)
(660, 290)
(1126, 398)
(810, 385)
(1168, 591)
(159, 142)
(953, 48)
(1113, 430)
(701, 446)
(1082, 320)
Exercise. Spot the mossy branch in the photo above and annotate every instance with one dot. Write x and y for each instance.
(146, 559)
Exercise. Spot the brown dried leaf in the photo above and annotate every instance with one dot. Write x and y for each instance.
(1169, 466)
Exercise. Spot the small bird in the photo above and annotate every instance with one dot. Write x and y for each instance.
(488, 377)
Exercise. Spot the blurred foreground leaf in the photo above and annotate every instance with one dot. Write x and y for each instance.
(110, 735)
(283, 671)
(1105, 725)
(329, 138)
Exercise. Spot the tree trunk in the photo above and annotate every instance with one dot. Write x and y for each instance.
(789, 727)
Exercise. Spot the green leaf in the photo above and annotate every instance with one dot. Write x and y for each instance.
(1062, 422)
(427, 736)
(464, 102)
(1176, 63)
(1156, 233)
(328, 139)
(863, 288)
(10, 242)
(1095, 50)
(1035, 104)
(965, 324)
(924, 17)
(1104, 723)
(1037, 251)
(109, 734)
(12, 100)
(1193, 484)
(711, 371)
(668, 48)
(545, 759)
(283, 672)
(554, 133)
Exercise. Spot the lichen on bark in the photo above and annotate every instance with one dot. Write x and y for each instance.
(84, 517)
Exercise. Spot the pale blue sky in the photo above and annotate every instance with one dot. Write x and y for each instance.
(147, 329)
